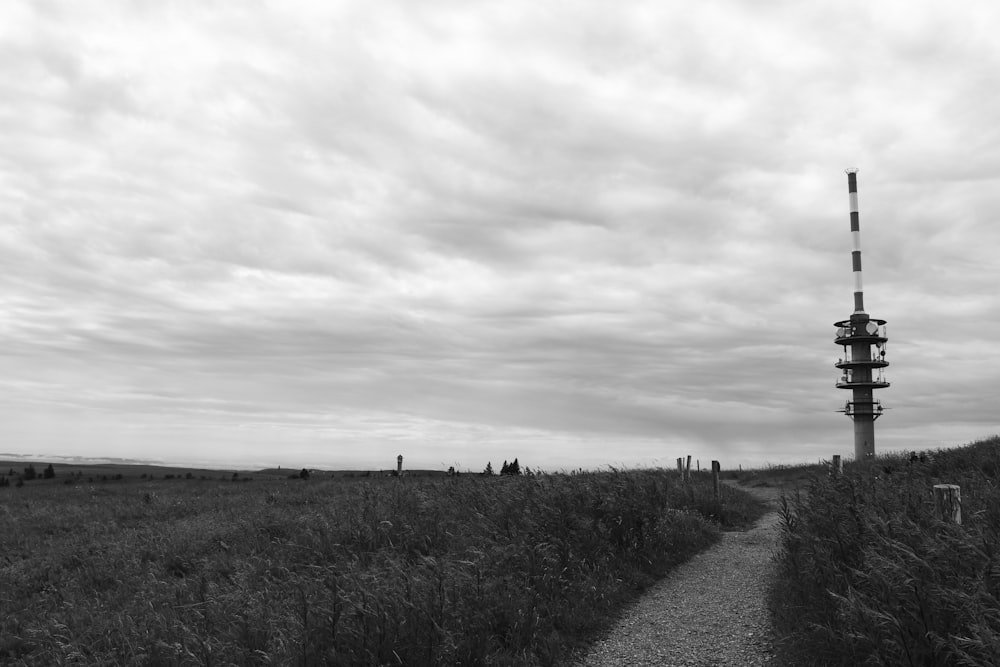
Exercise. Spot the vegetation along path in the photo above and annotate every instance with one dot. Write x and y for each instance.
(711, 610)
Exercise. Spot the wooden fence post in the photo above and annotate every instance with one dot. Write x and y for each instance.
(687, 471)
(680, 466)
(838, 466)
(948, 501)
(716, 489)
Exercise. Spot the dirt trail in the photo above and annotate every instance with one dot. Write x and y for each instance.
(711, 610)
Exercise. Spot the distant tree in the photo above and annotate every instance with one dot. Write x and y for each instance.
(489, 470)
(236, 476)
(49, 472)
(513, 468)
(451, 471)
(29, 473)
(304, 474)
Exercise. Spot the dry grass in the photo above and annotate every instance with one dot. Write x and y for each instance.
(869, 575)
(468, 570)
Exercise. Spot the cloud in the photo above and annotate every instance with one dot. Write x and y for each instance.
(336, 230)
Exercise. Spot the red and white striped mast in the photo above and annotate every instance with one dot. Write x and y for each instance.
(863, 339)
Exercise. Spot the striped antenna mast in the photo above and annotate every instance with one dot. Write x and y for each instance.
(863, 340)
(852, 191)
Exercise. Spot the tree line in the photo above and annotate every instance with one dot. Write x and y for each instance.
(512, 468)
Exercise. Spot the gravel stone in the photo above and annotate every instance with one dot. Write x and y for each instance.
(710, 611)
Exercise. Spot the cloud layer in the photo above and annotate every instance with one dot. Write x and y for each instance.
(322, 233)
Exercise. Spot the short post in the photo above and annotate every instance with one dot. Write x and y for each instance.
(687, 471)
(716, 488)
(948, 502)
(837, 468)
(680, 466)
(399, 465)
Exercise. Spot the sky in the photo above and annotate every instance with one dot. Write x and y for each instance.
(582, 234)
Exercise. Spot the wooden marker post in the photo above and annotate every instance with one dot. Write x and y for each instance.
(948, 502)
(687, 470)
(837, 468)
(680, 466)
(716, 488)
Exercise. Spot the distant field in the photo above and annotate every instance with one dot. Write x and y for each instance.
(109, 471)
(787, 477)
(334, 569)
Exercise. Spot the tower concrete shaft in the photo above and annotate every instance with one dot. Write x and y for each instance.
(863, 339)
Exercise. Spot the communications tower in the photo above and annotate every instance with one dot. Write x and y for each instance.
(863, 339)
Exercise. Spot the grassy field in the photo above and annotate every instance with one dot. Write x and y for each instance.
(870, 575)
(191, 567)
(784, 477)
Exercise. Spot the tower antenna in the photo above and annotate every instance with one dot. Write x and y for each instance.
(863, 339)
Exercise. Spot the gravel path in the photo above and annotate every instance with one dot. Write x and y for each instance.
(711, 610)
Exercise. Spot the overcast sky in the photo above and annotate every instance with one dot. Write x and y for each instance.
(578, 233)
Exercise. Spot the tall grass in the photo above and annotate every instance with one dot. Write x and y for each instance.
(870, 575)
(461, 571)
